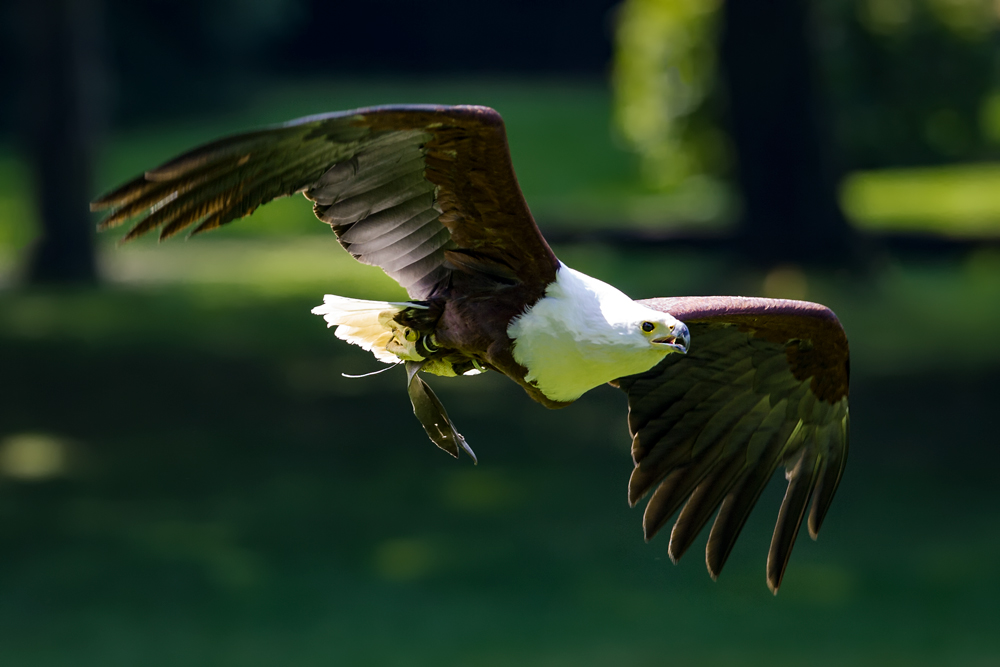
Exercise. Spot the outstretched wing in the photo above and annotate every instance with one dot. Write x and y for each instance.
(420, 191)
(764, 384)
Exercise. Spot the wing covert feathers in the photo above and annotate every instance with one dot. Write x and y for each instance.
(404, 188)
(765, 384)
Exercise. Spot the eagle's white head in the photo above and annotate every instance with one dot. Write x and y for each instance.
(584, 333)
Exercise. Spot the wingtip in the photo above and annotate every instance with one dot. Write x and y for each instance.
(775, 573)
(128, 238)
(711, 571)
(638, 485)
(713, 563)
(104, 225)
(651, 525)
(815, 520)
(107, 200)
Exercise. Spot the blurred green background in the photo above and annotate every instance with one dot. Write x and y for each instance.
(187, 479)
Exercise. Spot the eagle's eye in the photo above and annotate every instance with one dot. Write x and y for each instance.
(648, 326)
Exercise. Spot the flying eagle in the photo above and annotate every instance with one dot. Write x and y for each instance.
(721, 390)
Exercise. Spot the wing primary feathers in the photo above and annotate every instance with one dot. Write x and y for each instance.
(215, 189)
(736, 455)
(647, 473)
(702, 505)
(133, 203)
(208, 224)
(190, 211)
(155, 195)
(701, 449)
(801, 482)
(675, 489)
(709, 429)
(180, 221)
(736, 507)
(227, 147)
(123, 194)
(829, 477)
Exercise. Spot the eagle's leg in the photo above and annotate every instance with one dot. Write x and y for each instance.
(432, 415)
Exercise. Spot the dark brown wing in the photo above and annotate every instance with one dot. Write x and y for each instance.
(764, 384)
(420, 191)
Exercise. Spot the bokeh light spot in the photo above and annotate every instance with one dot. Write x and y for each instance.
(33, 456)
(786, 282)
(404, 559)
(820, 584)
(481, 491)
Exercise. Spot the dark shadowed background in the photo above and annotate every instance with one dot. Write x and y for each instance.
(187, 479)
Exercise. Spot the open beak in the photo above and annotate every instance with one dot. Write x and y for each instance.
(679, 338)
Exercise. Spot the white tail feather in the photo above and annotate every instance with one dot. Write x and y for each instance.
(363, 323)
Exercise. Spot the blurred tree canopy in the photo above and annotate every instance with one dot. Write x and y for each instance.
(907, 82)
(665, 68)
(854, 84)
(164, 55)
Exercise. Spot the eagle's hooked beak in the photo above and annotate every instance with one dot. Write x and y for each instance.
(679, 339)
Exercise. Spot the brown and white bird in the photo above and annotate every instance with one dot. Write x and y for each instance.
(721, 390)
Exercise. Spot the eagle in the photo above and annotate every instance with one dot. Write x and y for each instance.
(721, 390)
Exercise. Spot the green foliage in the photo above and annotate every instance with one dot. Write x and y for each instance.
(665, 68)
(904, 82)
(910, 81)
(18, 219)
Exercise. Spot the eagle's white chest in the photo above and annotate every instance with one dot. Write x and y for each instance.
(581, 334)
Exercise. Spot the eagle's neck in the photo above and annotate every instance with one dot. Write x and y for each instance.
(581, 334)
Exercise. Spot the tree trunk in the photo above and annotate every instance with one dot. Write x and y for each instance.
(784, 169)
(62, 65)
